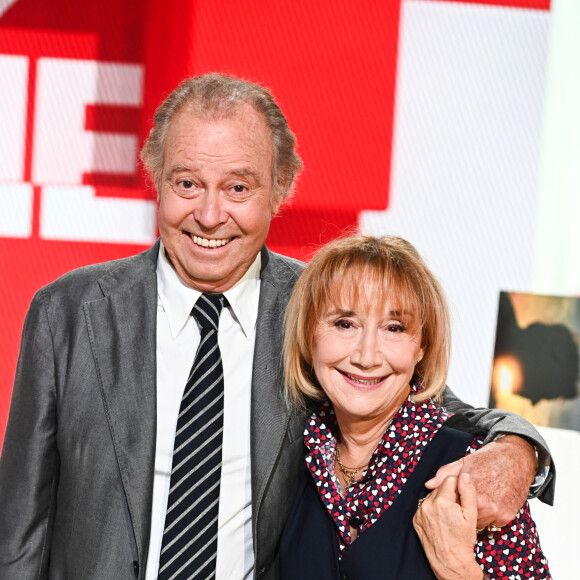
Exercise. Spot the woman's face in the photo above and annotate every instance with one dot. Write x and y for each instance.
(364, 359)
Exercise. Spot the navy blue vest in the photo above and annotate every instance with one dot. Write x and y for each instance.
(389, 549)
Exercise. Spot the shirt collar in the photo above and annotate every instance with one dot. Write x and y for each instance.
(178, 299)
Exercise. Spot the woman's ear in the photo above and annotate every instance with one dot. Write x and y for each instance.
(420, 355)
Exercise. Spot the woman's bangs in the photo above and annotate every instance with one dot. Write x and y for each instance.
(364, 287)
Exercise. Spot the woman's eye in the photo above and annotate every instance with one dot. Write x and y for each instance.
(345, 324)
(396, 328)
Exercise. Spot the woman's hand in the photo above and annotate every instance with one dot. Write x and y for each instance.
(445, 522)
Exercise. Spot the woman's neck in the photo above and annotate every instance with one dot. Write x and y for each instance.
(359, 436)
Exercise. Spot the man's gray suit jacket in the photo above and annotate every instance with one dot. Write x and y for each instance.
(76, 471)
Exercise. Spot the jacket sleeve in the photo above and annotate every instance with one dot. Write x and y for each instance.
(29, 464)
(496, 422)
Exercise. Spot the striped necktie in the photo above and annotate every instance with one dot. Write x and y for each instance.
(189, 546)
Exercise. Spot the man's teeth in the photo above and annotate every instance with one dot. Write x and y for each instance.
(209, 243)
(364, 381)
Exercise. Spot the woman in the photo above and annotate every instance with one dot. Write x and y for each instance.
(367, 342)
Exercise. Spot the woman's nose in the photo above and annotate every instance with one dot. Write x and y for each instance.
(367, 353)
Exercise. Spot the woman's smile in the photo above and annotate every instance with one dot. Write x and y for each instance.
(363, 381)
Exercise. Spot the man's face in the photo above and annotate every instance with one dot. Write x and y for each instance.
(215, 203)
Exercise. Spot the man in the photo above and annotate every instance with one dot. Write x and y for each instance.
(85, 472)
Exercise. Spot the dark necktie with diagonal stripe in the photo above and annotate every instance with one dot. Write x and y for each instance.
(189, 546)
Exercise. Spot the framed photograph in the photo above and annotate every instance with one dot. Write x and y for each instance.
(535, 367)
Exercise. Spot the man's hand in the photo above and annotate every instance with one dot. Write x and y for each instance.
(501, 472)
(445, 524)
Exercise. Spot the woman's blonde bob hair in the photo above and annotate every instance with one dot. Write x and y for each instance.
(358, 272)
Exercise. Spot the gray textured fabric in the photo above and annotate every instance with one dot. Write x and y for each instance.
(76, 471)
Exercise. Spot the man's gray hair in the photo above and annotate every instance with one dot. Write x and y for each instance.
(220, 95)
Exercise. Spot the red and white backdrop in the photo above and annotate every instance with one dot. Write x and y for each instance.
(417, 117)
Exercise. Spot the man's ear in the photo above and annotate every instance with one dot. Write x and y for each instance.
(277, 201)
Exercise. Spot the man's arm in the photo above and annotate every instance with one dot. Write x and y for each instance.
(503, 470)
(29, 460)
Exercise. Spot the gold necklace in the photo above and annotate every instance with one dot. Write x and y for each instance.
(348, 472)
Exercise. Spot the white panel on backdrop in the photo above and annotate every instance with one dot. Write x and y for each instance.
(557, 268)
(63, 149)
(13, 104)
(76, 214)
(467, 136)
(557, 259)
(16, 210)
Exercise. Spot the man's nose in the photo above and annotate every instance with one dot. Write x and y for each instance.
(209, 211)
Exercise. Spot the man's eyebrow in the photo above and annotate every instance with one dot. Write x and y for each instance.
(178, 169)
(244, 172)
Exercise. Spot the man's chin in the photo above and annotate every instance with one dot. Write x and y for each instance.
(208, 278)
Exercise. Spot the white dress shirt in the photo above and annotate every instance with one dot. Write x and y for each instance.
(177, 341)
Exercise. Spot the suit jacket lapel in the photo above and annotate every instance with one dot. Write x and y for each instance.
(270, 419)
(122, 332)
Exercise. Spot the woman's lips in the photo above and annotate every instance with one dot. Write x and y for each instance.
(362, 380)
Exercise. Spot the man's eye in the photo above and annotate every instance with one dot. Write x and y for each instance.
(183, 187)
(239, 188)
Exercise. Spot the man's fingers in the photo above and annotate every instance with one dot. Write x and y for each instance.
(449, 470)
(489, 515)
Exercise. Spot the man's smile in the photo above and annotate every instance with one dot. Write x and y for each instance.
(209, 243)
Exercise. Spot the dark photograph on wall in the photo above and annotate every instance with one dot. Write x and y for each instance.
(535, 364)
